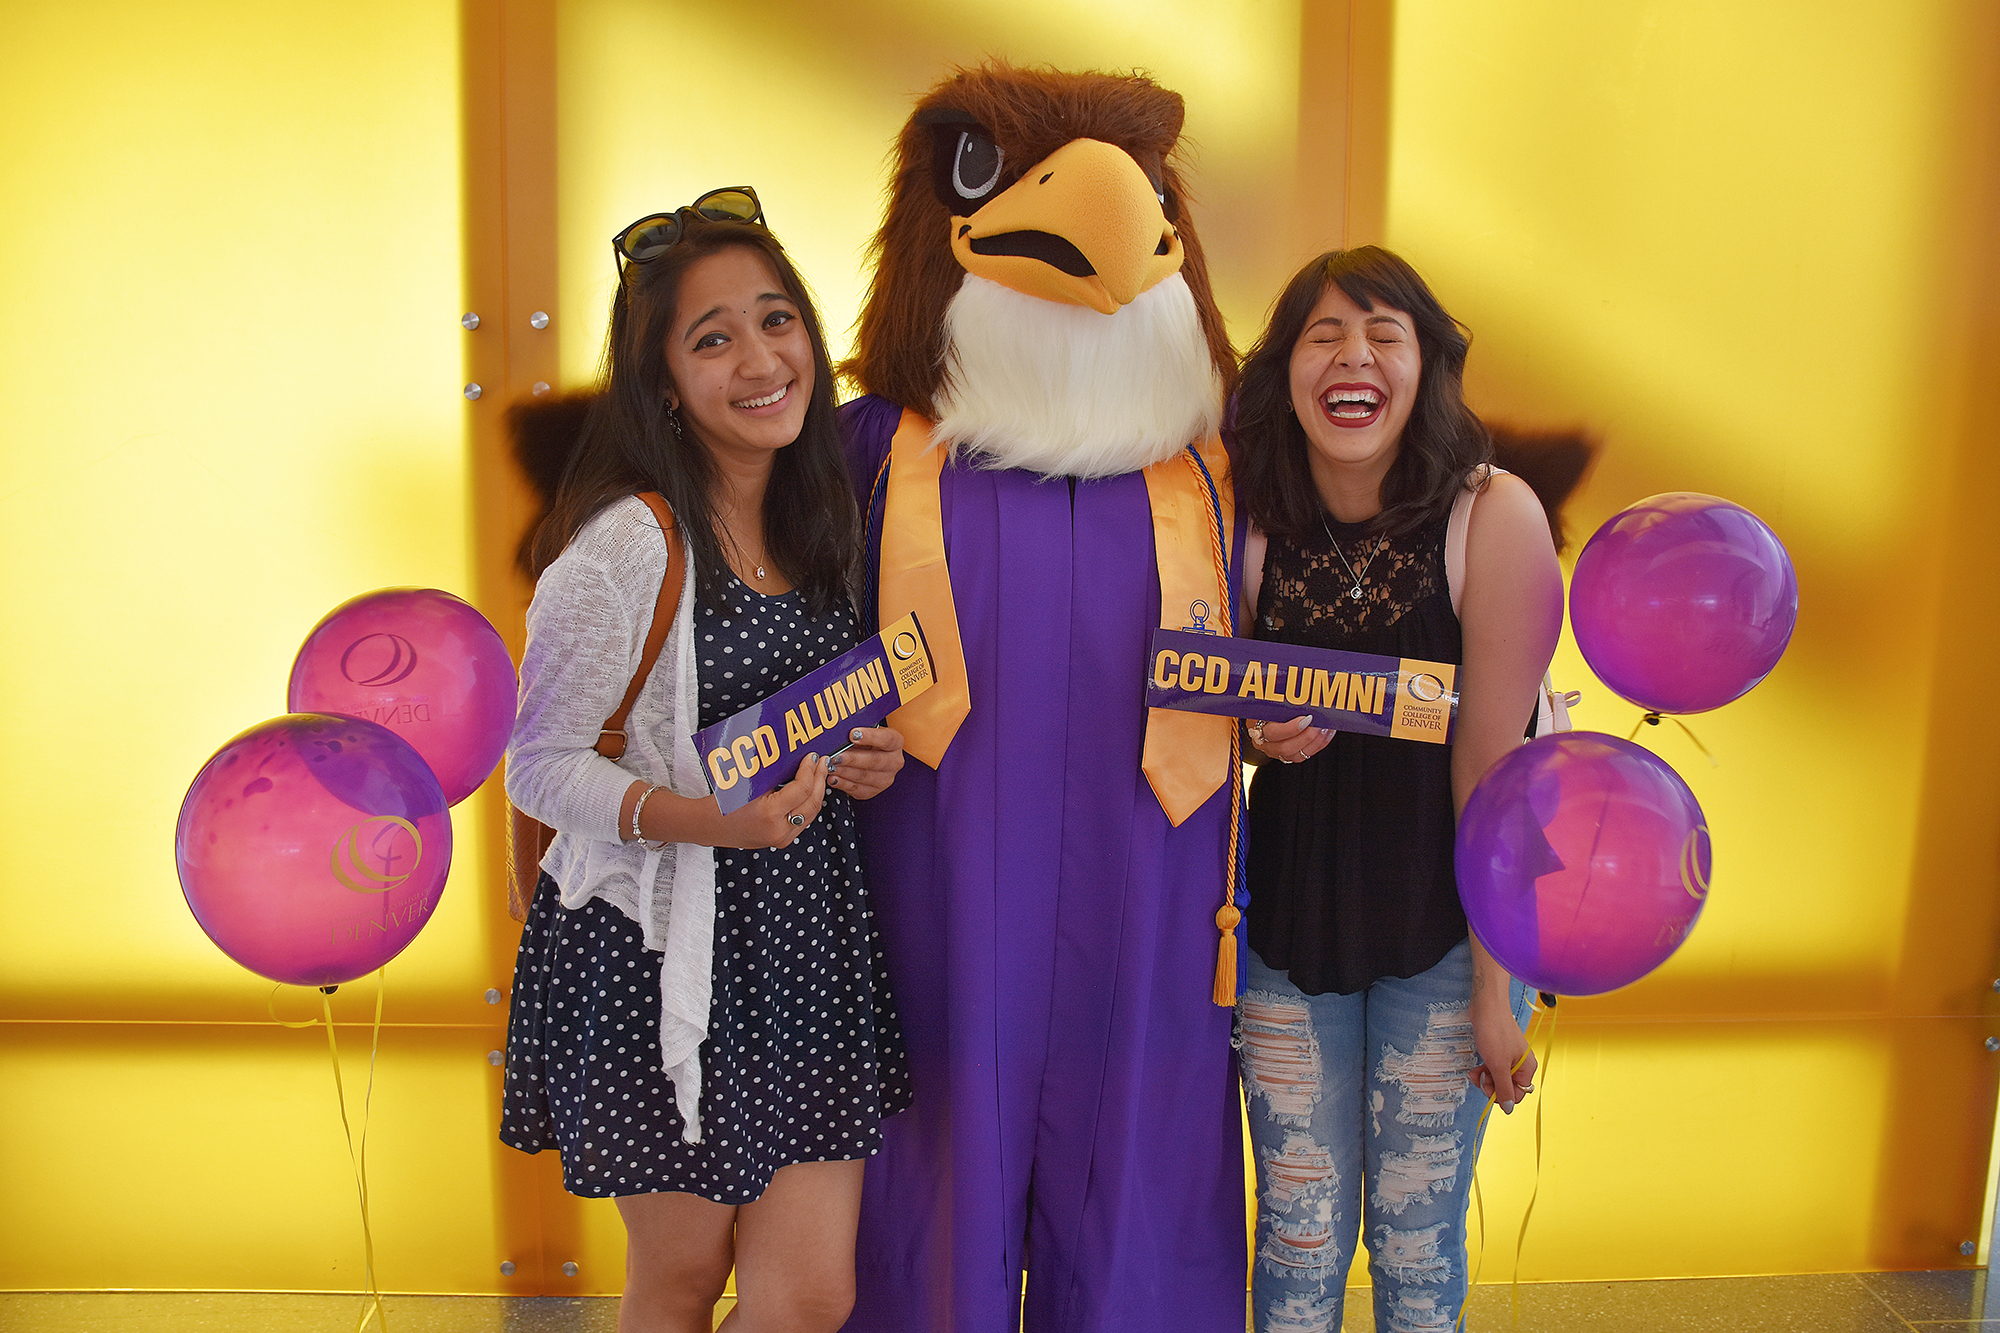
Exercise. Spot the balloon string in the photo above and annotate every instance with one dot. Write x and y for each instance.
(1479, 1202)
(1479, 1136)
(1542, 1076)
(1652, 719)
(372, 1310)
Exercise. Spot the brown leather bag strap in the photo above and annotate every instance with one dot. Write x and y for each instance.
(611, 740)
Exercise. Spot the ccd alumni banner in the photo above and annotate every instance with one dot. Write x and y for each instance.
(1362, 692)
(760, 748)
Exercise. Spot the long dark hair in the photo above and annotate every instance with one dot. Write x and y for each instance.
(630, 443)
(1442, 442)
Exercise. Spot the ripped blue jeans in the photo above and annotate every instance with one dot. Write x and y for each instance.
(1367, 1088)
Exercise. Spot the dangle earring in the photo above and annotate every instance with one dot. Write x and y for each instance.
(674, 418)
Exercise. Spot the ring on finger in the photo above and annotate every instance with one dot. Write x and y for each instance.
(796, 820)
(1256, 727)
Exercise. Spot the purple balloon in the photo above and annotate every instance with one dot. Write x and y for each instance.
(1582, 861)
(313, 848)
(1683, 602)
(421, 662)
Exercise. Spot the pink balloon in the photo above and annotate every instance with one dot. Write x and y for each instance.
(1683, 602)
(312, 848)
(422, 663)
(1582, 861)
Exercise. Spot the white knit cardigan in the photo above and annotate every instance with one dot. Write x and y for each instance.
(586, 633)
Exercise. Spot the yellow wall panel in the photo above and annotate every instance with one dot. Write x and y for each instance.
(1681, 225)
(1690, 1148)
(661, 101)
(230, 370)
(212, 1157)
(1737, 244)
(230, 364)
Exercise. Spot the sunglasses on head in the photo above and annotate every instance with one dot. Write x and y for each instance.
(656, 233)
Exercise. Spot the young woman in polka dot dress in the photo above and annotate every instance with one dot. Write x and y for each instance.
(701, 1022)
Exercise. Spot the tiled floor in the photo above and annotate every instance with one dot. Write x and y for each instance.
(1952, 1302)
(1821, 1303)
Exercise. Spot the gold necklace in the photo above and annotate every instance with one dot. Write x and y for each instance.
(754, 564)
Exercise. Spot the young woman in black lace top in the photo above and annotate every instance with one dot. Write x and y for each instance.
(1373, 1028)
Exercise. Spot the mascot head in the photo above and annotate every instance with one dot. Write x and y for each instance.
(1039, 290)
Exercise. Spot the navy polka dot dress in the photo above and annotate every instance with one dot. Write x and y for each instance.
(803, 1057)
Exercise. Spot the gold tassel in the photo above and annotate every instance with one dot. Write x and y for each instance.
(1225, 957)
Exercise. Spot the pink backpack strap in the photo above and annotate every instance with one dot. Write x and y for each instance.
(1460, 524)
(1552, 705)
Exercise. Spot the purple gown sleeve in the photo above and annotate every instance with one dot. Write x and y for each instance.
(866, 426)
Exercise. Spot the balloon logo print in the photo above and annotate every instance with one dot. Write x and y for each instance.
(380, 839)
(1694, 878)
(343, 807)
(402, 660)
(422, 663)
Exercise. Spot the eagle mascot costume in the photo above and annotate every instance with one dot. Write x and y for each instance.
(1038, 463)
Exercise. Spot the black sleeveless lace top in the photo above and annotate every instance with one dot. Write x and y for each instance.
(1350, 851)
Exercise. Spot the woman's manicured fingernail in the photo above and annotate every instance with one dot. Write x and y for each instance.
(854, 735)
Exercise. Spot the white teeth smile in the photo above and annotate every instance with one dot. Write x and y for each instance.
(765, 401)
(1352, 402)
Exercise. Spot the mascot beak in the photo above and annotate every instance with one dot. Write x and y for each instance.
(1083, 227)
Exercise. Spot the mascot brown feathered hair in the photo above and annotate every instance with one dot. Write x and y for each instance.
(1038, 463)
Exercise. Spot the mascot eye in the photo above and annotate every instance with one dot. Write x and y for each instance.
(975, 166)
(1156, 176)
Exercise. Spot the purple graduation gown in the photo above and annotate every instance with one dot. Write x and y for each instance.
(1051, 945)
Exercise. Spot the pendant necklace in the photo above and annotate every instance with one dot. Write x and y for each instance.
(1353, 577)
(746, 556)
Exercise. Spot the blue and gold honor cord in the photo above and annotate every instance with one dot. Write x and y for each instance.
(1228, 915)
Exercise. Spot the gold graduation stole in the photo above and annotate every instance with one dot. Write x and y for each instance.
(1187, 755)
